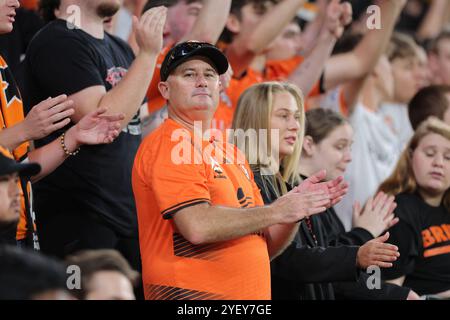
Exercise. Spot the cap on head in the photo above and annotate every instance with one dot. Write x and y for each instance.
(186, 50)
(8, 165)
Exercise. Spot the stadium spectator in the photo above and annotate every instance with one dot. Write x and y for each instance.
(420, 184)
(276, 106)
(105, 275)
(44, 118)
(430, 101)
(200, 20)
(28, 275)
(10, 200)
(439, 59)
(87, 203)
(203, 232)
(406, 71)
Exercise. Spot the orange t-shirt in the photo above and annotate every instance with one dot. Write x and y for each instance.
(11, 113)
(172, 267)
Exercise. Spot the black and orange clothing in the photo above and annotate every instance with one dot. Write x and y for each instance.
(11, 113)
(171, 175)
(423, 238)
(94, 185)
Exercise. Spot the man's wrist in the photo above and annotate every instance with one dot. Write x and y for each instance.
(145, 56)
(271, 215)
(22, 133)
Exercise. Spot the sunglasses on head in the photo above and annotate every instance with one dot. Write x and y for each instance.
(184, 49)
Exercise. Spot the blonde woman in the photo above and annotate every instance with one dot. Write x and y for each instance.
(421, 183)
(278, 107)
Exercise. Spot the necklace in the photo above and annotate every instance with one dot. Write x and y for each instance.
(310, 228)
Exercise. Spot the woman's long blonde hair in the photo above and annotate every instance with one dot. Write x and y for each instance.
(254, 111)
(403, 179)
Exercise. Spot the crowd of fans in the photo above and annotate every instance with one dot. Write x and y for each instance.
(232, 149)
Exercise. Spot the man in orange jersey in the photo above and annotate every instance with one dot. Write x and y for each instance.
(201, 20)
(204, 232)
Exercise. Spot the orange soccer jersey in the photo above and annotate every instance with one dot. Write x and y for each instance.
(174, 268)
(11, 113)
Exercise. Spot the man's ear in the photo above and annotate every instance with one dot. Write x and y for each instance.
(308, 146)
(233, 24)
(164, 89)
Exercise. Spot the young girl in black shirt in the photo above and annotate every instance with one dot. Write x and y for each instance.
(421, 184)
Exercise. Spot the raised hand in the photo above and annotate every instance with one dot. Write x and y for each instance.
(377, 253)
(336, 189)
(46, 117)
(338, 16)
(377, 215)
(149, 30)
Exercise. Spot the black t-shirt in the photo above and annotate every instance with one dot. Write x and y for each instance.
(97, 181)
(423, 238)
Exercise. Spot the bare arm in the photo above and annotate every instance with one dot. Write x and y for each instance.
(279, 236)
(211, 21)
(434, 20)
(398, 281)
(95, 128)
(358, 63)
(206, 224)
(312, 30)
(309, 72)
(43, 119)
(250, 43)
(128, 95)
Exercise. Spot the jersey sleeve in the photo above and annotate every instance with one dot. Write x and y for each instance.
(179, 186)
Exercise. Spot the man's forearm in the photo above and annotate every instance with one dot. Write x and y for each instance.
(309, 72)
(11, 138)
(208, 224)
(128, 95)
(434, 20)
(311, 33)
(358, 63)
(273, 24)
(50, 157)
(279, 236)
(251, 43)
(210, 22)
